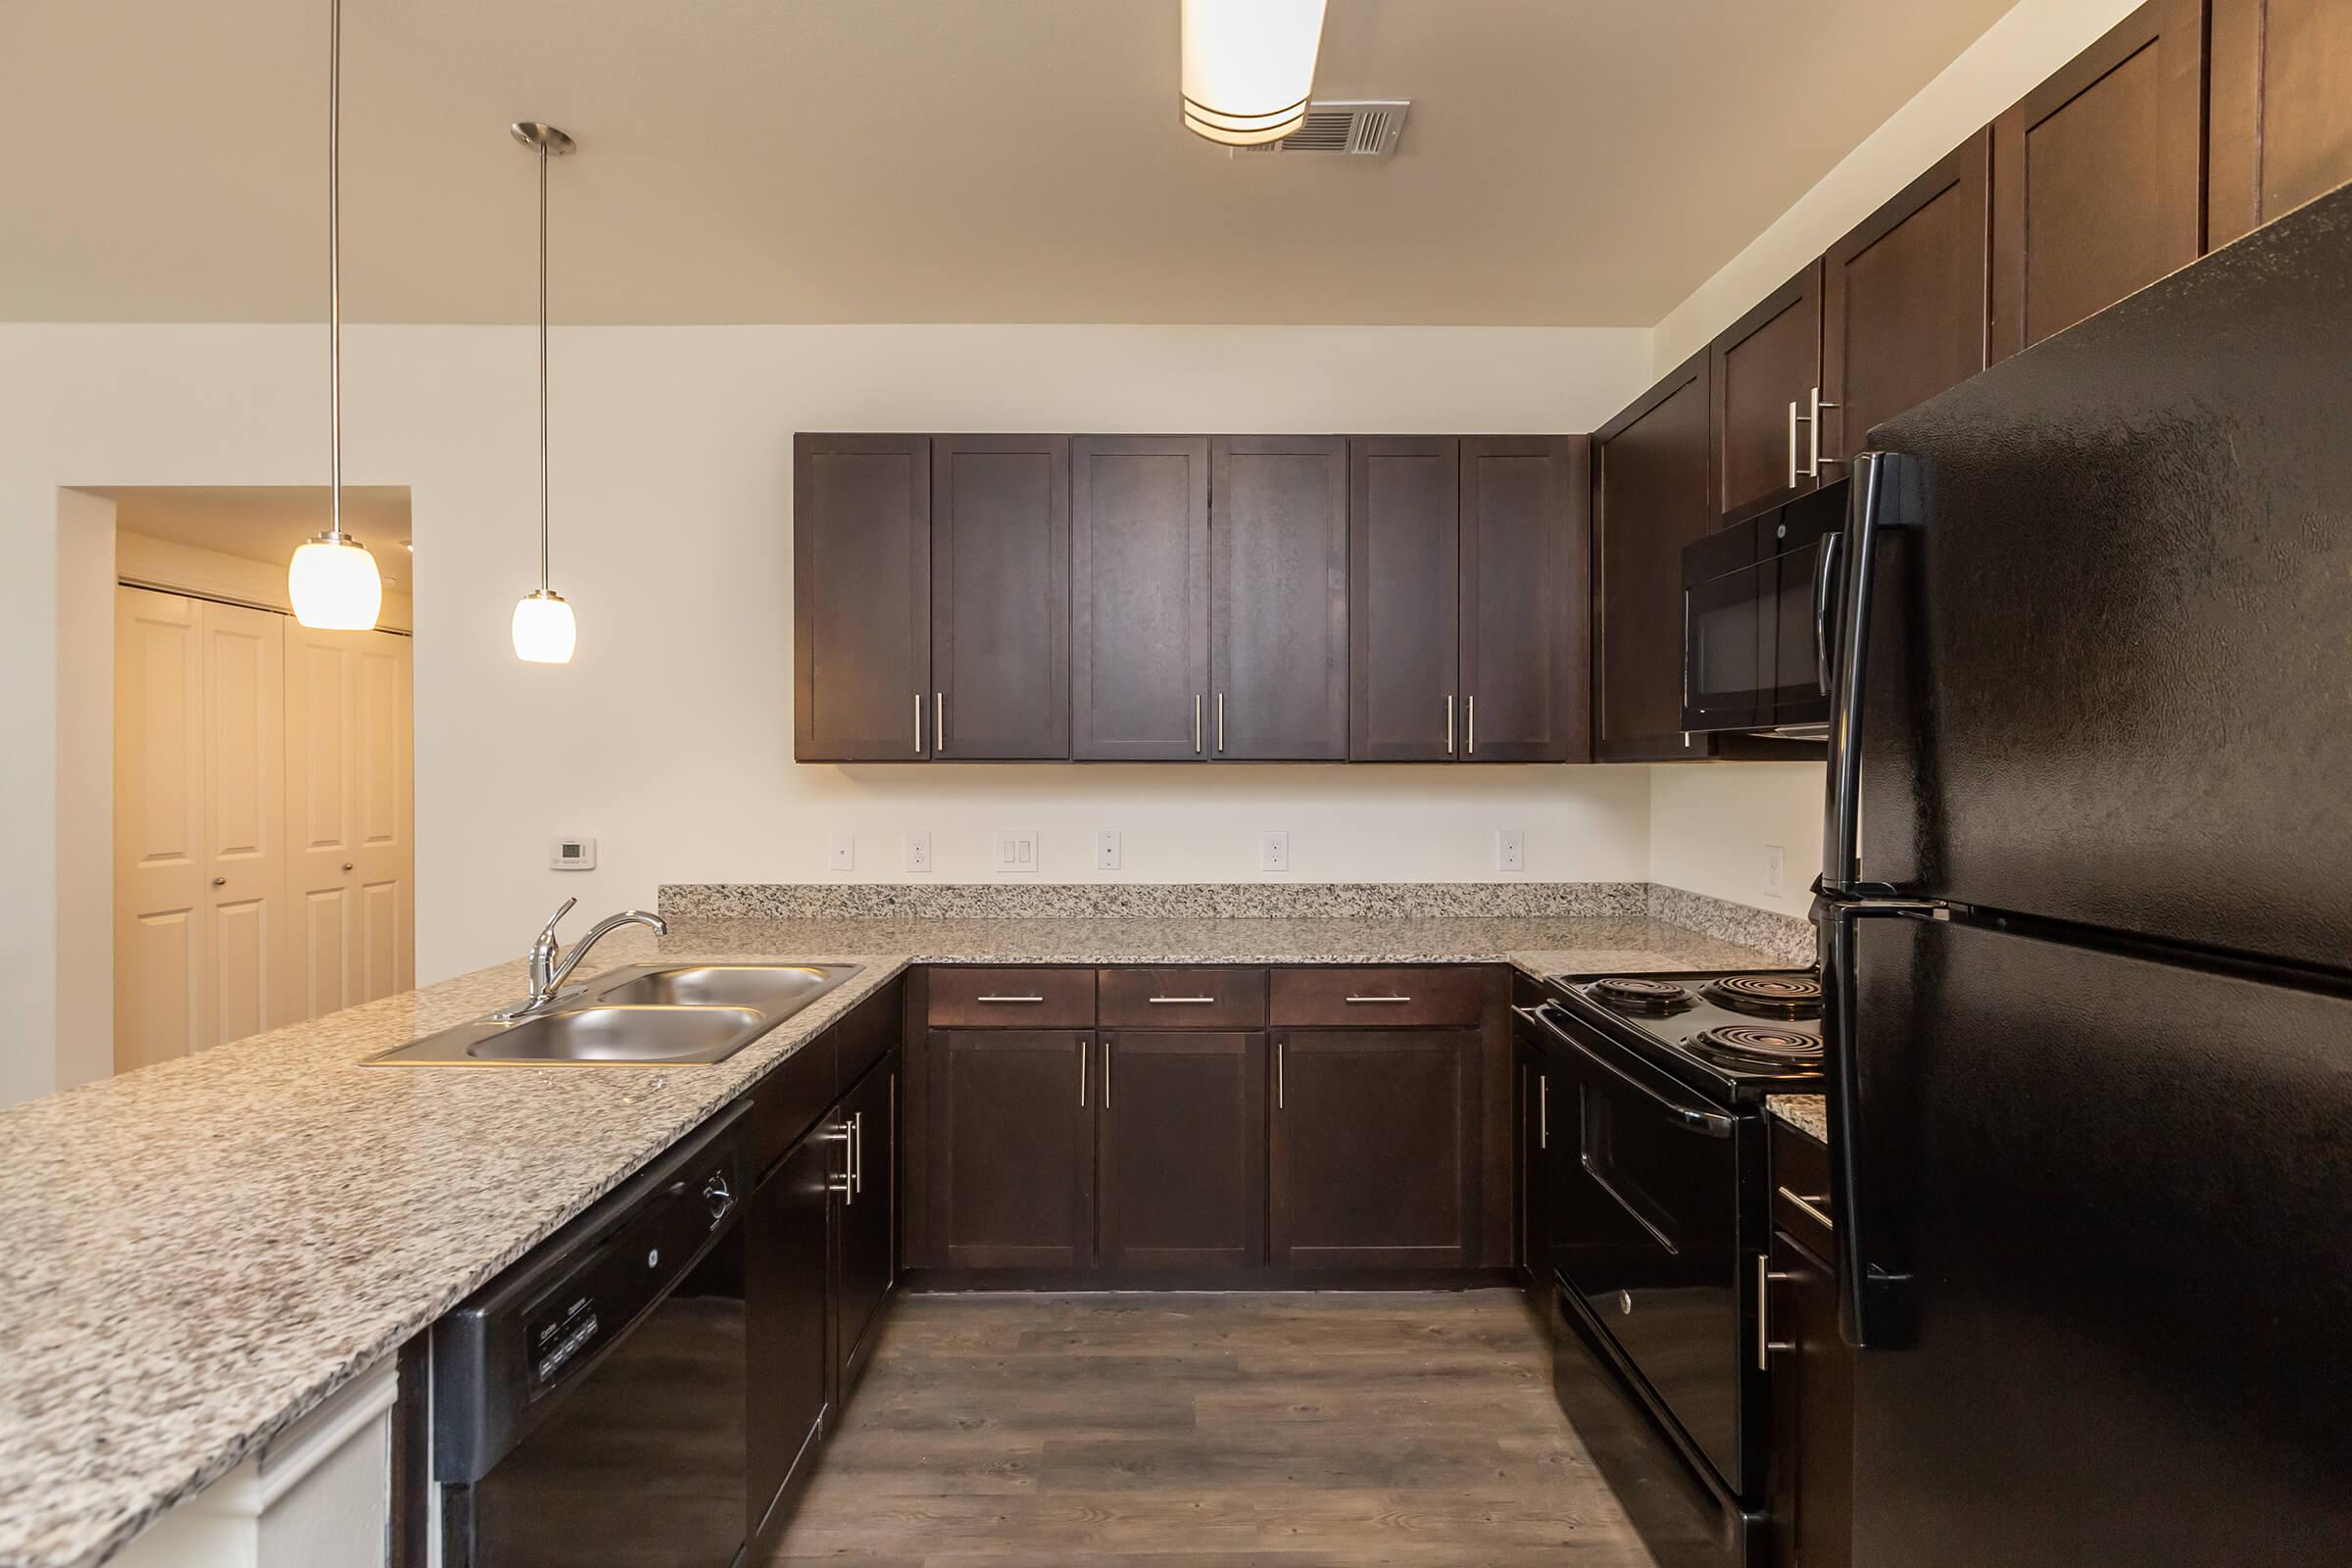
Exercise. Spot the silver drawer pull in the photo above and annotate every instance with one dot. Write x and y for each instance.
(1809, 1207)
(1380, 999)
(1009, 999)
(1171, 1001)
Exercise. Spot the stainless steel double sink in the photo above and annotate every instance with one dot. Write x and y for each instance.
(645, 1014)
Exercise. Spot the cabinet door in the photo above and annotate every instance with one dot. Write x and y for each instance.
(2280, 117)
(1182, 1149)
(1374, 1153)
(999, 597)
(1404, 623)
(2096, 175)
(1812, 1412)
(1653, 494)
(1013, 1148)
(1527, 598)
(861, 600)
(1764, 370)
(787, 1343)
(1278, 598)
(1906, 301)
(1138, 598)
(866, 1204)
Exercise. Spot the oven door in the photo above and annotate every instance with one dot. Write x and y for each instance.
(1756, 620)
(1647, 1234)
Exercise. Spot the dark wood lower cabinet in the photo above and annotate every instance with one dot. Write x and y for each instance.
(1813, 1413)
(787, 1349)
(864, 1220)
(1011, 1128)
(1374, 1153)
(1181, 1150)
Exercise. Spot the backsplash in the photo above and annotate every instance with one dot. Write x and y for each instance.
(1781, 935)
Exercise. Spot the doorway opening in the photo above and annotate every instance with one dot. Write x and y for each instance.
(263, 771)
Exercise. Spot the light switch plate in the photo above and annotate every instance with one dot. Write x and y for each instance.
(1016, 852)
(843, 855)
(571, 852)
(1776, 866)
(1510, 850)
(918, 851)
(1274, 852)
(1107, 851)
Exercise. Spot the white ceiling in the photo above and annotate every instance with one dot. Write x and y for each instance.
(265, 522)
(1568, 161)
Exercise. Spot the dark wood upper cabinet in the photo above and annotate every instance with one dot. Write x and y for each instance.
(2098, 175)
(999, 597)
(1375, 1151)
(1526, 599)
(2280, 109)
(1653, 493)
(1907, 300)
(1138, 598)
(1011, 1157)
(1763, 372)
(1278, 598)
(1182, 1150)
(1404, 610)
(862, 590)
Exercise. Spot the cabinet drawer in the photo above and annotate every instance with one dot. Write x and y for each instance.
(1181, 998)
(1418, 997)
(788, 1101)
(1801, 1187)
(869, 1031)
(1012, 998)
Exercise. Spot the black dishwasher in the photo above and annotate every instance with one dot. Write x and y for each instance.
(589, 1405)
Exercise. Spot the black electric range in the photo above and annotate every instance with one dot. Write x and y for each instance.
(1653, 1152)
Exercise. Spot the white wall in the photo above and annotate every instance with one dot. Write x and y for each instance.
(669, 737)
(85, 788)
(1708, 824)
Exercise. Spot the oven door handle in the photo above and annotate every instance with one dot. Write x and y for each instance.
(1692, 1119)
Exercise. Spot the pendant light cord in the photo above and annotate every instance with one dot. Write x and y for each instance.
(334, 264)
(543, 367)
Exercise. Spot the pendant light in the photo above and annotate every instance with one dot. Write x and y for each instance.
(544, 630)
(1248, 67)
(332, 580)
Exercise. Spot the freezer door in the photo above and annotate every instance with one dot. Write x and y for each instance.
(2109, 675)
(2123, 1194)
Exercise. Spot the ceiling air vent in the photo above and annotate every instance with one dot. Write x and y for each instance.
(1367, 128)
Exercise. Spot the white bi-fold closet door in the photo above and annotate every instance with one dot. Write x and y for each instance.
(264, 863)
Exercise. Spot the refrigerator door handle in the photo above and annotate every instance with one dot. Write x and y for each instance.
(1869, 512)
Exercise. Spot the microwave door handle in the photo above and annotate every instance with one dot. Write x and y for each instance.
(1825, 573)
(1870, 511)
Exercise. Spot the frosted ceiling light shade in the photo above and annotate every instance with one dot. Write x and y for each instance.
(334, 583)
(544, 632)
(1248, 67)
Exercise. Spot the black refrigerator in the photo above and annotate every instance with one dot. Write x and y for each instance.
(2085, 923)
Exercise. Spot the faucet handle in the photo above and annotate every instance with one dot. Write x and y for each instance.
(547, 932)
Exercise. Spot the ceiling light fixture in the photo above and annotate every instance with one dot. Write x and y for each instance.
(544, 630)
(1248, 67)
(332, 580)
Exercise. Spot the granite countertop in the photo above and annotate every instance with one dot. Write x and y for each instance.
(1807, 1114)
(202, 1251)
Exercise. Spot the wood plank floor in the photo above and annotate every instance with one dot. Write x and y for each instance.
(1285, 1429)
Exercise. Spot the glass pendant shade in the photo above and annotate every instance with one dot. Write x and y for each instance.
(334, 583)
(544, 632)
(1248, 67)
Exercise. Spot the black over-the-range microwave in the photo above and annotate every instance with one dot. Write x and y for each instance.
(1757, 622)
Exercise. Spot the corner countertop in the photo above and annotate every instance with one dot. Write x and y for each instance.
(1807, 1114)
(202, 1251)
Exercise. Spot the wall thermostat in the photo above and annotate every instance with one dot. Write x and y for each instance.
(571, 854)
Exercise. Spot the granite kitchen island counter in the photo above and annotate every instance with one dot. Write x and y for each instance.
(202, 1251)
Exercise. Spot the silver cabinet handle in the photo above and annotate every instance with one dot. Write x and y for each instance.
(1196, 723)
(939, 724)
(1106, 1072)
(1278, 1075)
(1814, 471)
(1220, 723)
(1174, 1001)
(1009, 999)
(1360, 999)
(1449, 723)
(1085, 1054)
(1766, 1277)
(1470, 724)
(1542, 1110)
(846, 1184)
(858, 1153)
(1792, 468)
(918, 724)
(1810, 1208)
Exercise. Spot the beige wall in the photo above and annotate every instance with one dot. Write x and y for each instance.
(1709, 824)
(85, 790)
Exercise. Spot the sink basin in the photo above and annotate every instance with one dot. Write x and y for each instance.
(623, 1034)
(776, 989)
(642, 1015)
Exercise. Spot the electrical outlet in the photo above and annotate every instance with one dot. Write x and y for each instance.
(1107, 851)
(1510, 850)
(1776, 866)
(1015, 853)
(918, 851)
(1274, 852)
(845, 852)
